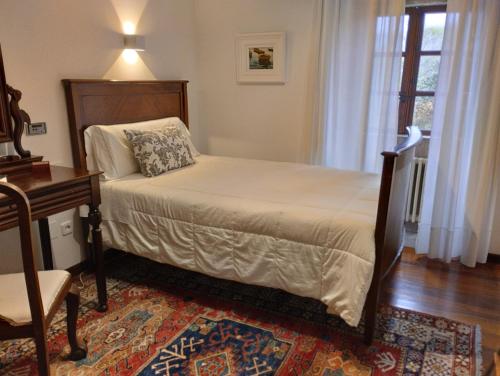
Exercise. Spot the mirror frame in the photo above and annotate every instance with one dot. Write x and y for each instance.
(5, 119)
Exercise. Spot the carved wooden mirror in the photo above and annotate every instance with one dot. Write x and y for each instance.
(5, 120)
(12, 123)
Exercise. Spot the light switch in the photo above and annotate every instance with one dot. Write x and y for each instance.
(36, 128)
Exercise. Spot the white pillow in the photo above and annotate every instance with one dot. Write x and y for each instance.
(89, 149)
(112, 152)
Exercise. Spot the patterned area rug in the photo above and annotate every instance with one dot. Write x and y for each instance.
(167, 321)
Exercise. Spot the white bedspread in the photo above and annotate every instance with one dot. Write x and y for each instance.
(304, 229)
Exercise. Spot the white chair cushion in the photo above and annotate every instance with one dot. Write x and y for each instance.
(14, 304)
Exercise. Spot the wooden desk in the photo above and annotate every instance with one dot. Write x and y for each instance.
(65, 189)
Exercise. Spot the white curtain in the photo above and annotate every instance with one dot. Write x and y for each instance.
(357, 83)
(461, 180)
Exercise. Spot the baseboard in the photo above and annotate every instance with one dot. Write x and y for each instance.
(493, 258)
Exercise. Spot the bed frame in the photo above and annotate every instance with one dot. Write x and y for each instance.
(112, 102)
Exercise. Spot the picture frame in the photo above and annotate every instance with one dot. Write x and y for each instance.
(261, 58)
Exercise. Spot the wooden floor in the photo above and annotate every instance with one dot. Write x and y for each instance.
(454, 291)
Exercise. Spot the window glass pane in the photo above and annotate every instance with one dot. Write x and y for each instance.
(428, 73)
(432, 39)
(406, 21)
(422, 114)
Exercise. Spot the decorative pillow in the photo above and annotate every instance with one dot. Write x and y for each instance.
(159, 151)
(108, 149)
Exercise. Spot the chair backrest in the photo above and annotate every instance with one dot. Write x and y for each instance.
(30, 274)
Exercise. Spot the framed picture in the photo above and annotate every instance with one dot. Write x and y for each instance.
(260, 58)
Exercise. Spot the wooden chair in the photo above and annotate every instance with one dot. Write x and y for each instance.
(29, 300)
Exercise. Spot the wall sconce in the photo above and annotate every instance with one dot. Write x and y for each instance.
(134, 42)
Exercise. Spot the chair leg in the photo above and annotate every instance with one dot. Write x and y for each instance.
(72, 303)
(42, 353)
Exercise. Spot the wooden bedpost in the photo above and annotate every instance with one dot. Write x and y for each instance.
(389, 228)
(382, 211)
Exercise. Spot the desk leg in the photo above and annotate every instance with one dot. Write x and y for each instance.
(43, 226)
(95, 221)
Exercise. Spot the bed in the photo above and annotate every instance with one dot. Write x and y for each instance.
(327, 234)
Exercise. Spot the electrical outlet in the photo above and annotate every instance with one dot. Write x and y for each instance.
(66, 228)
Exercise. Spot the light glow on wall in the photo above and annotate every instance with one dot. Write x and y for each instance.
(129, 12)
(128, 28)
(130, 56)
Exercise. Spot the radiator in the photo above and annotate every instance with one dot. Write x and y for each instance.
(414, 202)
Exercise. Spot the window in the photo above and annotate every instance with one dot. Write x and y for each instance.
(422, 42)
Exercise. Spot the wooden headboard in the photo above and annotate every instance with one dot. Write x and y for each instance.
(103, 102)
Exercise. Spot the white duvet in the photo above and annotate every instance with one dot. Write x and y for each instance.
(304, 229)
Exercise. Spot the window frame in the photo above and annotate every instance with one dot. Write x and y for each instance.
(412, 54)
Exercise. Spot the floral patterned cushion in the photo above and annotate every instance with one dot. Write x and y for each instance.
(158, 151)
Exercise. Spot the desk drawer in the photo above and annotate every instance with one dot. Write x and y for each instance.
(48, 201)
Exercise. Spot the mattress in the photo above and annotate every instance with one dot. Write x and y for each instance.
(307, 230)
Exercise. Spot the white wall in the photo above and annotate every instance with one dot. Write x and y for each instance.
(45, 41)
(254, 121)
